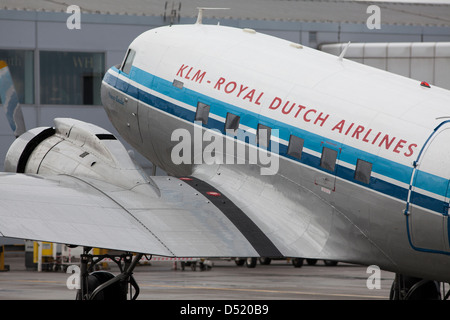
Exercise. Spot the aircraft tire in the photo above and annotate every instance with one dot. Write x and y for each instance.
(414, 289)
(116, 291)
(250, 262)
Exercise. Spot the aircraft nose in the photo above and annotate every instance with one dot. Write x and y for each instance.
(108, 81)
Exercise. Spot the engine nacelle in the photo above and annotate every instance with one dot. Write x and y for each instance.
(75, 148)
(21, 149)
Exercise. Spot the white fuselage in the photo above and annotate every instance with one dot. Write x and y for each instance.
(382, 196)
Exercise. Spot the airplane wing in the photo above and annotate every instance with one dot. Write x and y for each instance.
(178, 221)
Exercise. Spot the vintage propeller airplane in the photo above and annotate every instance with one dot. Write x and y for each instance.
(273, 150)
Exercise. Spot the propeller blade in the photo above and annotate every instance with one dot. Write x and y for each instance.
(10, 100)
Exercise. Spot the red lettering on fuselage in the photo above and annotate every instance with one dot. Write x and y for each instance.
(309, 115)
(366, 135)
(239, 90)
(301, 113)
(185, 73)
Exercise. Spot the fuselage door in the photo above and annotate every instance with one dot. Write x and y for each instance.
(446, 219)
(427, 207)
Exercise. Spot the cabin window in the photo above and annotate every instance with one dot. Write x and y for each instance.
(328, 159)
(263, 135)
(128, 61)
(232, 122)
(202, 113)
(363, 171)
(295, 147)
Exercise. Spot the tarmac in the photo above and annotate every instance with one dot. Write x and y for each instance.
(166, 280)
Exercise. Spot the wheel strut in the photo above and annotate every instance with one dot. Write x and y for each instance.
(104, 285)
(410, 288)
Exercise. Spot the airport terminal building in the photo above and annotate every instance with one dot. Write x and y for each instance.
(58, 68)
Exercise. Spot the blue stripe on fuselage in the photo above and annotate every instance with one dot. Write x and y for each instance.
(313, 142)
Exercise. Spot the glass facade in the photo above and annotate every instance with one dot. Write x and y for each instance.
(21, 66)
(71, 78)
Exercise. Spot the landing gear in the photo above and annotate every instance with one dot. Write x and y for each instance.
(410, 288)
(102, 285)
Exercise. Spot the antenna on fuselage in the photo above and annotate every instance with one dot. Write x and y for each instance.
(200, 13)
(341, 56)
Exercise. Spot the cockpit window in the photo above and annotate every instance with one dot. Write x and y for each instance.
(128, 62)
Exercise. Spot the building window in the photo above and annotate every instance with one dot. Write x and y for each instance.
(263, 135)
(363, 171)
(232, 122)
(295, 147)
(71, 78)
(328, 159)
(312, 36)
(202, 113)
(21, 66)
(128, 61)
